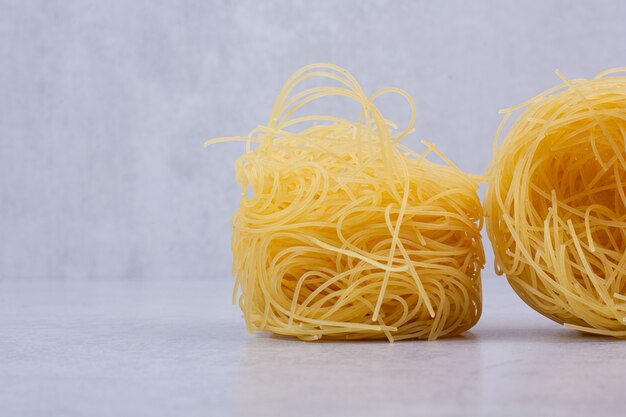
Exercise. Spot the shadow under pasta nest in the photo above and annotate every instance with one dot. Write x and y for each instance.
(549, 335)
(468, 336)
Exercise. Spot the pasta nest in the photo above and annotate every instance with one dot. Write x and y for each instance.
(556, 203)
(343, 232)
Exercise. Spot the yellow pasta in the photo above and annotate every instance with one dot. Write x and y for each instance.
(556, 203)
(343, 232)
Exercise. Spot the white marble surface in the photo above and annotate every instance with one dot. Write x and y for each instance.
(180, 349)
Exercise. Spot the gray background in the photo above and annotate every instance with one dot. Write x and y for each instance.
(104, 106)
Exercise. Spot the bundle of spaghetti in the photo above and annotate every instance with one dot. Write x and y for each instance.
(343, 232)
(556, 204)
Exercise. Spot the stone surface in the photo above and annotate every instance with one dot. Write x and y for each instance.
(124, 348)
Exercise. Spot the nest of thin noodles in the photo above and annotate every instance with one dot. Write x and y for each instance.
(556, 204)
(344, 233)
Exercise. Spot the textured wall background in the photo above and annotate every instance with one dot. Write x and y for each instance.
(104, 106)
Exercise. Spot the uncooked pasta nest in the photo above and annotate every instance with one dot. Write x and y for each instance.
(556, 204)
(343, 232)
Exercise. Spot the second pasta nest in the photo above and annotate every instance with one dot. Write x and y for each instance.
(556, 204)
